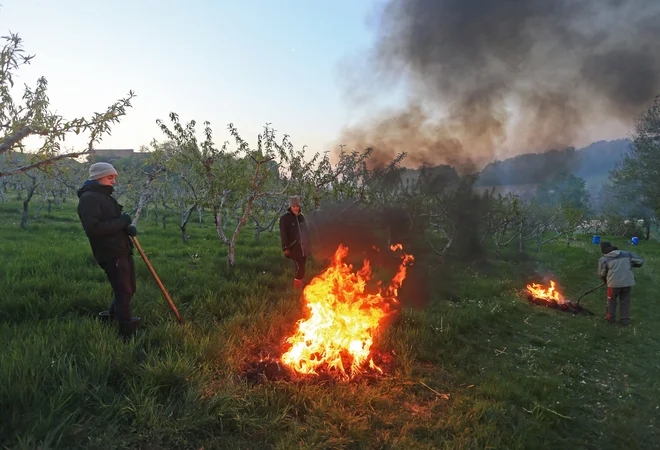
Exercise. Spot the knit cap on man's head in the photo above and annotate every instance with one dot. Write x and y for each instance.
(294, 201)
(100, 170)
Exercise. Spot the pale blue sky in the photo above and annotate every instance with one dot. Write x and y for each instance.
(247, 62)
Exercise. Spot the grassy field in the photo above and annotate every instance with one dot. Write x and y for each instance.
(476, 367)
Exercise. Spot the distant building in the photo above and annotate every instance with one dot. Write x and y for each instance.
(107, 153)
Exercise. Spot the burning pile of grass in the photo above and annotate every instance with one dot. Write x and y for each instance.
(550, 297)
(346, 314)
(344, 319)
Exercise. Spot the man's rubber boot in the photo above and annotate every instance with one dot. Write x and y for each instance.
(129, 329)
(106, 317)
(297, 284)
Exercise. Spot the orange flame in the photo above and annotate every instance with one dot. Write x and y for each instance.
(538, 291)
(344, 319)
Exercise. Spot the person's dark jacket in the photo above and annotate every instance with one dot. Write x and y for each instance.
(102, 220)
(294, 235)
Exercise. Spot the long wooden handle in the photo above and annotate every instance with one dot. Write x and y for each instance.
(160, 285)
(589, 292)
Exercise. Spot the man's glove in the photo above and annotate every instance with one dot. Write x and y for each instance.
(287, 253)
(126, 219)
(131, 230)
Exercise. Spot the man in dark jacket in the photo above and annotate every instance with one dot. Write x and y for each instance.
(615, 268)
(109, 233)
(295, 239)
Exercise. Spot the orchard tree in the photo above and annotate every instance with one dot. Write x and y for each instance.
(34, 180)
(182, 185)
(566, 194)
(350, 185)
(266, 213)
(444, 207)
(67, 176)
(625, 204)
(234, 179)
(312, 178)
(383, 183)
(641, 166)
(565, 190)
(504, 220)
(32, 116)
(635, 182)
(540, 218)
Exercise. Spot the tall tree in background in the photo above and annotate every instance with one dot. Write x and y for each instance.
(564, 190)
(33, 117)
(637, 177)
(567, 195)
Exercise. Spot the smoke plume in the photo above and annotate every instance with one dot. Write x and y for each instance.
(368, 232)
(483, 78)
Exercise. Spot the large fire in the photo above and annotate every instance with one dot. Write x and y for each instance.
(343, 319)
(548, 294)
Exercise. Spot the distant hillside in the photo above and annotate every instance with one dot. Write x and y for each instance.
(592, 163)
(600, 157)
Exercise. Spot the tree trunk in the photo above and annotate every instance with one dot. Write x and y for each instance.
(521, 239)
(164, 222)
(199, 211)
(184, 233)
(26, 202)
(647, 230)
(24, 219)
(36, 214)
(50, 204)
(230, 255)
(145, 195)
(224, 226)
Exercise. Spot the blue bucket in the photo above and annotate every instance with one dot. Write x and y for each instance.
(635, 240)
(595, 240)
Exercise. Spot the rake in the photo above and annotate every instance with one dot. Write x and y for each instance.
(590, 291)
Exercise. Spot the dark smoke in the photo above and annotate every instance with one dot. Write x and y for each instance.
(367, 232)
(467, 64)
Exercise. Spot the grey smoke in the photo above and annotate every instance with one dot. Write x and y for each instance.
(565, 64)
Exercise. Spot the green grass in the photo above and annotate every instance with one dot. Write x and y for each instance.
(516, 375)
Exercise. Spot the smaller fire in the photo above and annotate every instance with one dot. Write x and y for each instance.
(548, 294)
(551, 298)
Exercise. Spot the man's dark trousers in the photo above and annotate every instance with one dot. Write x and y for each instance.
(299, 264)
(623, 295)
(121, 274)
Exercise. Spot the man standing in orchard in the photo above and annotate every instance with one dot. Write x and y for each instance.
(615, 268)
(109, 233)
(295, 239)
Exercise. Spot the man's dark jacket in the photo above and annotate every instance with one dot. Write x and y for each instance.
(294, 234)
(100, 215)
